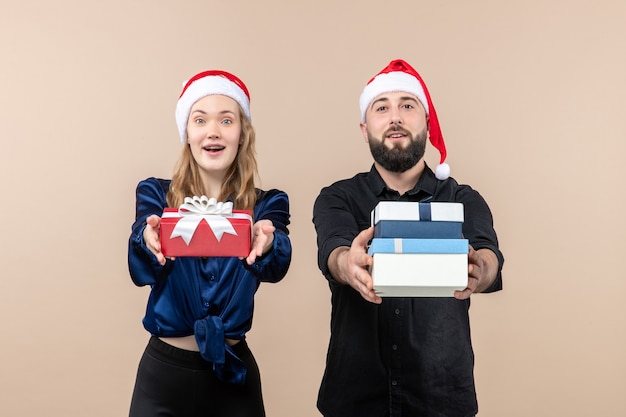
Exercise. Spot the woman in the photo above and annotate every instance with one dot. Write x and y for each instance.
(197, 361)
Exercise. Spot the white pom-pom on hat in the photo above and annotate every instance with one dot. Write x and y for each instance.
(398, 75)
(442, 171)
(204, 84)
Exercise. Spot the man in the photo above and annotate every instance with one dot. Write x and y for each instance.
(398, 356)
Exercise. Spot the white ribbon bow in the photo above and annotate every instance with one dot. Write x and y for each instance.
(193, 210)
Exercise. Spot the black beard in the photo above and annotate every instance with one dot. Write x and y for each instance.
(397, 158)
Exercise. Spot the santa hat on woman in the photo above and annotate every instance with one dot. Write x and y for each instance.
(400, 76)
(207, 83)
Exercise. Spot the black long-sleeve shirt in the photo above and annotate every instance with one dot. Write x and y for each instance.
(407, 356)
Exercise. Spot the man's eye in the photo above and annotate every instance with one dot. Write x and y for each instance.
(407, 106)
(381, 108)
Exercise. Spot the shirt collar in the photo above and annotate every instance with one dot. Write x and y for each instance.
(426, 183)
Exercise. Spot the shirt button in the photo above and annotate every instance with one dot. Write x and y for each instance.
(397, 311)
(394, 383)
(394, 347)
(212, 278)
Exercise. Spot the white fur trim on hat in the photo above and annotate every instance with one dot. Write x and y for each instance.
(202, 87)
(391, 82)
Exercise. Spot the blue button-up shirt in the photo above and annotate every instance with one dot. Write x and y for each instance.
(209, 297)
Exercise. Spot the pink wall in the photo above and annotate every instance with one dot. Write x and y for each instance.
(530, 96)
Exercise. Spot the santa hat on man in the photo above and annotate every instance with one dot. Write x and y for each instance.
(207, 83)
(400, 76)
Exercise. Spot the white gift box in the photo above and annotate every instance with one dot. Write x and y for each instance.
(407, 219)
(419, 274)
(411, 210)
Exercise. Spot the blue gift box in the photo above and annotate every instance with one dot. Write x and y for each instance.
(399, 245)
(418, 230)
(405, 219)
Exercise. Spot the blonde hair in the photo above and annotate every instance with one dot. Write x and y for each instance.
(238, 183)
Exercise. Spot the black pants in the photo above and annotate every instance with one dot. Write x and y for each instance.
(178, 383)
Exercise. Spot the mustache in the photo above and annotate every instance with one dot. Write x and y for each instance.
(396, 129)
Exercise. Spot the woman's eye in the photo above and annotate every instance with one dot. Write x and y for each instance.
(227, 121)
(198, 121)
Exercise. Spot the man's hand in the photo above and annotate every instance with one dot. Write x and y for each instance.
(349, 266)
(482, 270)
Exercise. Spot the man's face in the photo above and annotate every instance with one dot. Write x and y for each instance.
(396, 129)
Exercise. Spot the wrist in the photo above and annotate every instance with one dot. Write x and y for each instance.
(336, 260)
(489, 269)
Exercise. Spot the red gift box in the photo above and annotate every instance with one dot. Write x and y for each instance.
(205, 232)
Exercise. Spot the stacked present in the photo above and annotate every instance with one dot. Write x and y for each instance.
(202, 226)
(418, 249)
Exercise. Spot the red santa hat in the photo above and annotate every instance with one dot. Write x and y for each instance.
(400, 76)
(207, 83)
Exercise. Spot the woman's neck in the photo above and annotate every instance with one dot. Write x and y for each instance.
(212, 185)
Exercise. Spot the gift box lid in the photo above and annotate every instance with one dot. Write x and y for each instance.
(175, 213)
(398, 245)
(415, 211)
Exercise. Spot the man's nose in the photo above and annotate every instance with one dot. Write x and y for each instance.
(395, 117)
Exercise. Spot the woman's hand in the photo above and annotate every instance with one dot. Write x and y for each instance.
(262, 239)
(151, 237)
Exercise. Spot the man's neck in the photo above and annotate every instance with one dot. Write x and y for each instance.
(401, 181)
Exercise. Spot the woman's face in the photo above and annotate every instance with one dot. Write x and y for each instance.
(214, 132)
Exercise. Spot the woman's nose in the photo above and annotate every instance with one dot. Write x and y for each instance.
(213, 130)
